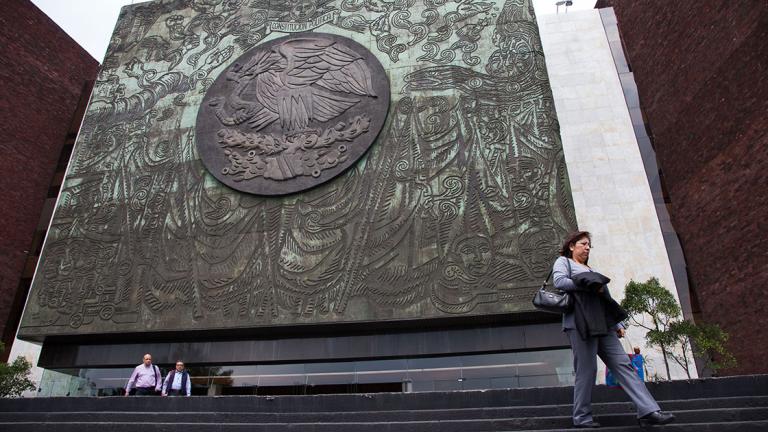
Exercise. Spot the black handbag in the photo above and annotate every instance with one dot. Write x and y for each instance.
(557, 301)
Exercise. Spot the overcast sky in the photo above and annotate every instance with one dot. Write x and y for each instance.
(91, 22)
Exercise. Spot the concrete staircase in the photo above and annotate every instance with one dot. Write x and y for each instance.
(715, 404)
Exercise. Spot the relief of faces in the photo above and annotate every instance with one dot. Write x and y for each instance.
(475, 253)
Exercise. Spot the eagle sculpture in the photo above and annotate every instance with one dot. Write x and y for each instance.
(298, 82)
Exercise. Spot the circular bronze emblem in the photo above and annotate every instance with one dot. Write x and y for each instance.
(292, 113)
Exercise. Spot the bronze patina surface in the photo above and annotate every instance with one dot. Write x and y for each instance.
(292, 113)
(456, 210)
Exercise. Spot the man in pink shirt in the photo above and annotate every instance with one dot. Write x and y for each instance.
(146, 378)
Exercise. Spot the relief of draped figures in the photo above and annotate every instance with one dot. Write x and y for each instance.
(457, 209)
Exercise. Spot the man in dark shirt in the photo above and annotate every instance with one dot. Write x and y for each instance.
(177, 383)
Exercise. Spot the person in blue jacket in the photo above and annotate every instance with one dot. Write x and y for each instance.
(638, 361)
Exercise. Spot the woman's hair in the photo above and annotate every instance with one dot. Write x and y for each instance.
(571, 240)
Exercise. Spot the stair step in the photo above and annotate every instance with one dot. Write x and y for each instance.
(734, 404)
(753, 426)
(756, 426)
(386, 415)
(751, 385)
(204, 404)
(708, 416)
(623, 411)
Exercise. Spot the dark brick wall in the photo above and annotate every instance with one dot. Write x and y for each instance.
(43, 73)
(702, 71)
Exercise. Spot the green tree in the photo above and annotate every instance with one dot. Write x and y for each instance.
(677, 338)
(14, 377)
(676, 335)
(651, 298)
(709, 345)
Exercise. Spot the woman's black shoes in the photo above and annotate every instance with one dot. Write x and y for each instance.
(652, 419)
(589, 425)
(656, 418)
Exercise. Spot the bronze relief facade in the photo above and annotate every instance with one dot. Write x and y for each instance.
(456, 209)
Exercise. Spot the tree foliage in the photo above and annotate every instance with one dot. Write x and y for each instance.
(667, 330)
(709, 344)
(652, 298)
(14, 377)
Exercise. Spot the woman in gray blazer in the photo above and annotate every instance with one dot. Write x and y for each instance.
(594, 327)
